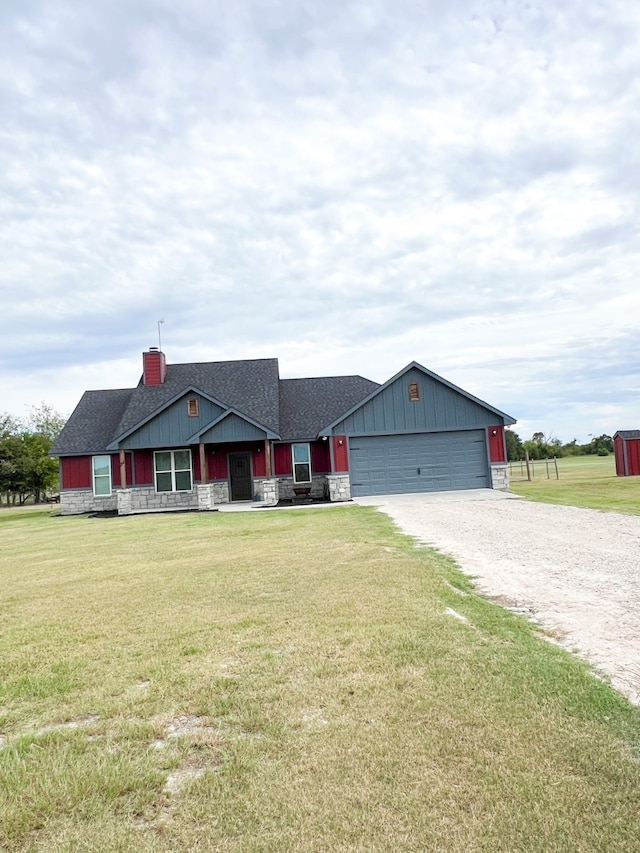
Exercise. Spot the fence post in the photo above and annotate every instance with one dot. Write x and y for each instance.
(526, 459)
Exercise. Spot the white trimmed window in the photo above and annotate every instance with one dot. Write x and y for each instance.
(173, 470)
(301, 455)
(101, 476)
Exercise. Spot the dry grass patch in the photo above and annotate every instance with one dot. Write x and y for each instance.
(288, 681)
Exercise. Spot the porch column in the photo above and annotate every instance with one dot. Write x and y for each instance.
(267, 459)
(204, 468)
(123, 470)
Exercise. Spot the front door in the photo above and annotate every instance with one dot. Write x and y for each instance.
(240, 476)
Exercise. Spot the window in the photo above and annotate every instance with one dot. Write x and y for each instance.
(192, 407)
(301, 463)
(172, 470)
(414, 392)
(101, 476)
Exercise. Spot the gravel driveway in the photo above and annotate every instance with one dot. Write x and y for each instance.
(575, 571)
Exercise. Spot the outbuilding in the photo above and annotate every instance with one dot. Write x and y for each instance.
(626, 446)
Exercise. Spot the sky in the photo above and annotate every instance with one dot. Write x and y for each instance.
(346, 186)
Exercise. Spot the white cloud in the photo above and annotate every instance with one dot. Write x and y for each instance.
(346, 186)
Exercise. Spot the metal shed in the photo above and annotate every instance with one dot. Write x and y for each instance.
(626, 445)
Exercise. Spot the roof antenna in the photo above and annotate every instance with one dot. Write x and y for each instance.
(160, 323)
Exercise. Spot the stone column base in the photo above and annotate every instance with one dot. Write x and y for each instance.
(270, 491)
(500, 476)
(123, 497)
(204, 494)
(339, 487)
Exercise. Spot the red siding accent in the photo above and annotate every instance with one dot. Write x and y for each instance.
(115, 469)
(618, 449)
(144, 467)
(320, 457)
(259, 463)
(627, 454)
(195, 461)
(633, 456)
(497, 447)
(340, 455)
(282, 464)
(218, 464)
(154, 367)
(75, 472)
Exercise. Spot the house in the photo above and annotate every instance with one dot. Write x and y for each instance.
(190, 436)
(626, 447)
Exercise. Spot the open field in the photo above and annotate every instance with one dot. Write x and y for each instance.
(588, 481)
(277, 681)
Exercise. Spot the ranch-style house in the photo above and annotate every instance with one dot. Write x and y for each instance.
(190, 436)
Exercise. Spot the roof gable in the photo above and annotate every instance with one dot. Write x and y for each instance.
(248, 386)
(171, 425)
(231, 426)
(440, 405)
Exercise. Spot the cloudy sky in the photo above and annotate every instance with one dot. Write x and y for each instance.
(348, 186)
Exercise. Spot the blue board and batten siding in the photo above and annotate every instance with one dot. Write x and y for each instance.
(400, 445)
(233, 428)
(174, 426)
(439, 408)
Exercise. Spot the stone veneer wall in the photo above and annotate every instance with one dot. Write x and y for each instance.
(146, 499)
(79, 501)
(339, 487)
(286, 486)
(266, 489)
(500, 476)
(220, 491)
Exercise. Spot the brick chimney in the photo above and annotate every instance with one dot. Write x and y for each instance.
(154, 367)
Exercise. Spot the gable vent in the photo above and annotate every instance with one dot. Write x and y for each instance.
(414, 392)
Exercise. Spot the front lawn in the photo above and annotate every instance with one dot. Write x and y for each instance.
(288, 681)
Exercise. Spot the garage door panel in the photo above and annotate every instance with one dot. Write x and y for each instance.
(419, 463)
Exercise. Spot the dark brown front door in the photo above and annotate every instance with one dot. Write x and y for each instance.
(240, 476)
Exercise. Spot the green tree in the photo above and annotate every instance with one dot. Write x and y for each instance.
(515, 448)
(26, 469)
(45, 420)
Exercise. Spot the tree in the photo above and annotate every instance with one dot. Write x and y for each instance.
(515, 448)
(44, 420)
(26, 469)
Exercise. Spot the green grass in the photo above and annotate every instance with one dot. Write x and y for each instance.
(288, 681)
(588, 481)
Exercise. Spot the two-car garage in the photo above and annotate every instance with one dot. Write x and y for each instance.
(420, 462)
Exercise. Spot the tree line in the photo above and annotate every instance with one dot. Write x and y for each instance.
(27, 472)
(540, 446)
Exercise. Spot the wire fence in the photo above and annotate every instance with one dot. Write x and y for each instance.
(531, 469)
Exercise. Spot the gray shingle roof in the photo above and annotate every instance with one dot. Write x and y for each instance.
(628, 433)
(249, 386)
(93, 423)
(308, 405)
(295, 409)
